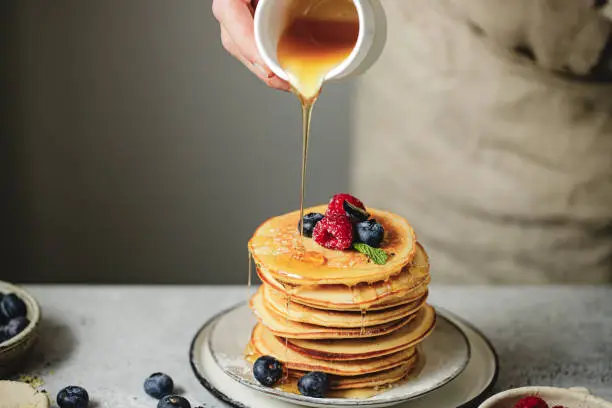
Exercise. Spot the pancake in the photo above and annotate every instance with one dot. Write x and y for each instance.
(264, 342)
(276, 242)
(280, 326)
(367, 380)
(407, 286)
(359, 349)
(277, 301)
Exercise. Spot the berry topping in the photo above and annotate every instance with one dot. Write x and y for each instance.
(370, 233)
(11, 306)
(334, 232)
(336, 204)
(531, 402)
(314, 384)
(73, 397)
(356, 214)
(310, 220)
(173, 401)
(15, 326)
(159, 385)
(267, 370)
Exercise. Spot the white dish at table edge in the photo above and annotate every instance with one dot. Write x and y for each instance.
(467, 389)
(576, 397)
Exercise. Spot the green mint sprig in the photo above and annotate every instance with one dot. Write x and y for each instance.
(377, 255)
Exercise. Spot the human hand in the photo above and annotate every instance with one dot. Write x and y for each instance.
(237, 36)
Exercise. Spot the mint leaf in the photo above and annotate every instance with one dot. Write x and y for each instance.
(377, 255)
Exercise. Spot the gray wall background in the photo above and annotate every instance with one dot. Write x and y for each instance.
(133, 149)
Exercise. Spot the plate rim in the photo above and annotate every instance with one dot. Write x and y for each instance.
(230, 401)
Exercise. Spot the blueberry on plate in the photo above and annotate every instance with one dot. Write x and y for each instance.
(314, 384)
(159, 385)
(173, 401)
(370, 233)
(310, 220)
(73, 397)
(12, 306)
(267, 370)
(16, 326)
(355, 213)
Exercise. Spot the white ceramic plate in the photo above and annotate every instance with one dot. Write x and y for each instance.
(475, 381)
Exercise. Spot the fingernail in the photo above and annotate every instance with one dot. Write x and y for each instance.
(263, 71)
(278, 83)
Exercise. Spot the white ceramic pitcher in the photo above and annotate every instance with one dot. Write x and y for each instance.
(270, 21)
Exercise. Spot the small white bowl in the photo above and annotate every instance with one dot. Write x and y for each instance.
(270, 21)
(567, 397)
(14, 350)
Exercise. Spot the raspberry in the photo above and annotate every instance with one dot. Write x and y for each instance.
(334, 232)
(531, 402)
(336, 207)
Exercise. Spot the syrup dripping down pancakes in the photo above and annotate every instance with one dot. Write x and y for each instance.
(337, 311)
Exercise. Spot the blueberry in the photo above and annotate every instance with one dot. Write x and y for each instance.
(158, 385)
(314, 384)
(310, 220)
(11, 306)
(3, 335)
(355, 213)
(370, 233)
(16, 326)
(3, 319)
(73, 397)
(267, 370)
(173, 401)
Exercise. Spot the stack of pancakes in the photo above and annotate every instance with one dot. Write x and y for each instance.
(337, 311)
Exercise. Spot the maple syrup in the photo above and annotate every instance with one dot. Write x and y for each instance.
(319, 36)
(363, 317)
(250, 278)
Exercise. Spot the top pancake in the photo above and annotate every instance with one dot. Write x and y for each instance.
(407, 286)
(275, 247)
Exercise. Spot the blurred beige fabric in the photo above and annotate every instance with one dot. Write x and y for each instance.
(465, 127)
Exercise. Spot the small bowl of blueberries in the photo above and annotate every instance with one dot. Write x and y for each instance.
(19, 319)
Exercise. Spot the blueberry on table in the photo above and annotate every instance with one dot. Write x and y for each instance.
(73, 397)
(370, 233)
(314, 384)
(159, 385)
(310, 220)
(16, 326)
(173, 401)
(11, 306)
(267, 370)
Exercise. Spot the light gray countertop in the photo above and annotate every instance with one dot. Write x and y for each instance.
(110, 338)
